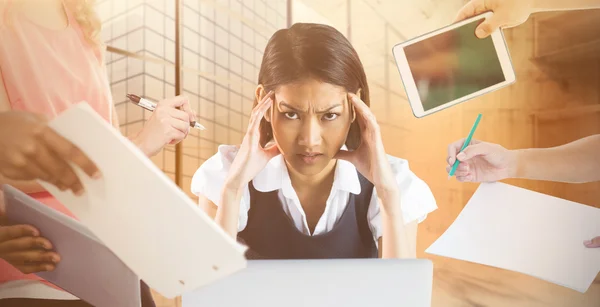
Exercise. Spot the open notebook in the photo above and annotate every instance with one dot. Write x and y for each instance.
(88, 269)
(140, 214)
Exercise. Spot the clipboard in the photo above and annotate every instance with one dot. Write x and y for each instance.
(88, 269)
(140, 214)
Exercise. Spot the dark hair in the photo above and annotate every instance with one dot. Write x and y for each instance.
(317, 51)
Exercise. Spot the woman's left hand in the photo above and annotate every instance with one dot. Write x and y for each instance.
(370, 158)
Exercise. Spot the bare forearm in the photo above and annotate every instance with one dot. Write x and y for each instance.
(399, 240)
(575, 162)
(137, 141)
(24, 186)
(562, 5)
(229, 209)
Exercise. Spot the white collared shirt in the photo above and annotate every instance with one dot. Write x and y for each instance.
(416, 197)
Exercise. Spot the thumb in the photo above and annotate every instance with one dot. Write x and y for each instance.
(473, 151)
(345, 155)
(176, 101)
(272, 151)
(595, 242)
(488, 26)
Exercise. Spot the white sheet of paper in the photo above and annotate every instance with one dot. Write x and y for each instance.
(528, 232)
(141, 214)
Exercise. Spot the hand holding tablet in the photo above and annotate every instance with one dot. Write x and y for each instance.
(452, 65)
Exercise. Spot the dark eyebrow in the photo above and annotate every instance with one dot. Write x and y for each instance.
(282, 103)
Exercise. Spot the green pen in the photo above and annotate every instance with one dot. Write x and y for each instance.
(465, 144)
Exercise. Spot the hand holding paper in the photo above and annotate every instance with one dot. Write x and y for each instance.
(593, 243)
(140, 214)
(31, 150)
(24, 248)
(528, 232)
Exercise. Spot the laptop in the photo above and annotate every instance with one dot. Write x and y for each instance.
(321, 283)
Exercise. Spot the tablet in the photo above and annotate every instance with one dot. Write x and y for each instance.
(88, 269)
(452, 65)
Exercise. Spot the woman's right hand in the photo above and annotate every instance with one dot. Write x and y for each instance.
(24, 248)
(169, 124)
(251, 157)
(30, 149)
(507, 13)
(481, 161)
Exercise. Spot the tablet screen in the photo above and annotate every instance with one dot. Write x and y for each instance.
(452, 65)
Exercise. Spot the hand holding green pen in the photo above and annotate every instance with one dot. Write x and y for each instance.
(465, 144)
(475, 161)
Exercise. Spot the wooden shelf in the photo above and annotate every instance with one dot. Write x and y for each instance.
(567, 113)
(572, 36)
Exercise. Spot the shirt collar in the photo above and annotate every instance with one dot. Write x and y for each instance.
(275, 176)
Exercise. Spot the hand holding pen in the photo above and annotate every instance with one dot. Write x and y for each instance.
(151, 106)
(169, 124)
(471, 160)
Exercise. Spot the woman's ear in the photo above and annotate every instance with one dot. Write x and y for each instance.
(352, 110)
(259, 95)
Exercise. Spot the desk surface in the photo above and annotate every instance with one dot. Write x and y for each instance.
(458, 283)
(462, 284)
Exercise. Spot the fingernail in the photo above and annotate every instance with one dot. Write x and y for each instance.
(55, 259)
(49, 267)
(587, 242)
(461, 156)
(480, 33)
(97, 175)
(79, 192)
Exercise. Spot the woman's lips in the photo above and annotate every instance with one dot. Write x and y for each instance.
(310, 158)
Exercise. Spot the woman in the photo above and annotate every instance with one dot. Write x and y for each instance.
(311, 178)
(50, 58)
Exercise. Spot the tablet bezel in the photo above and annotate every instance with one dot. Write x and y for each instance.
(409, 83)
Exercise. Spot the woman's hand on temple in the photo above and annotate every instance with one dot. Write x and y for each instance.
(169, 124)
(370, 158)
(251, 157)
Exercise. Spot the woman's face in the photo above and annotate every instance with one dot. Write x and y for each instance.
(310, 121)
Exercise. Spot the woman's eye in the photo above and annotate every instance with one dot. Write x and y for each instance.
(330, 116)
(291, 115)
